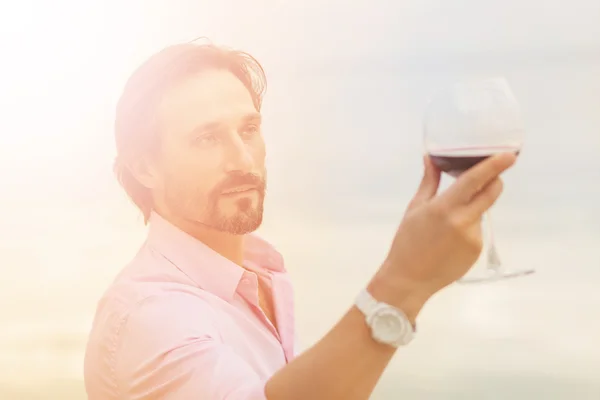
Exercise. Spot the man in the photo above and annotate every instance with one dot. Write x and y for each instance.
(204, 310)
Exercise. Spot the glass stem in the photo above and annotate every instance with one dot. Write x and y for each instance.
(493, 259)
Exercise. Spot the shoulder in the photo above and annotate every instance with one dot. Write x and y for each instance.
(172, 314)
(139, 304)
(128, 336)
(144, 310)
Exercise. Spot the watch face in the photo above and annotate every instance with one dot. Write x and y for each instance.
(389, 326)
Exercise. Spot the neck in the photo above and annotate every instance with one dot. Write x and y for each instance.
(227, 245)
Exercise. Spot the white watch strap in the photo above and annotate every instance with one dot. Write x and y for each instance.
(365, 302)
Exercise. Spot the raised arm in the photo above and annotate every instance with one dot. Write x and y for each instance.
(182, 357)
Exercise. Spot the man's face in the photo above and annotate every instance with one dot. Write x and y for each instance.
(211, 166)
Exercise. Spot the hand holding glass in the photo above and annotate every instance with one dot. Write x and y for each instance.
(464, 125)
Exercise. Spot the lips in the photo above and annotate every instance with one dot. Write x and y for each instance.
(240, 189)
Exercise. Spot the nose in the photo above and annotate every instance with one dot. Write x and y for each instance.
(238, 156)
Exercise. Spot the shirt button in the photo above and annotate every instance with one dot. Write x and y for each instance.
(245, 281)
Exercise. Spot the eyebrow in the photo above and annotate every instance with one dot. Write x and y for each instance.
(253, 117)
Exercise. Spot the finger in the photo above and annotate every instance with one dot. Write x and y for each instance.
(429, 183)
(471, 182)
(484, 199)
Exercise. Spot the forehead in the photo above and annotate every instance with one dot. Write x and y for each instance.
(211, 96)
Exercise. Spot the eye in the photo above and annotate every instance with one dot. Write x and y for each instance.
(249, 131)
(206, 139)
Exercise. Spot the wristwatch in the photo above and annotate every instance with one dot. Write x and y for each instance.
(389, 325)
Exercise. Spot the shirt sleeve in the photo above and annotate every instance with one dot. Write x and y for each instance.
(169, 348)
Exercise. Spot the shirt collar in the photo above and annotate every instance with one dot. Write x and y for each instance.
(207, 268)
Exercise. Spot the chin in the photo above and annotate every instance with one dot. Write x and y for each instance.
(241, 223)
(241, 227)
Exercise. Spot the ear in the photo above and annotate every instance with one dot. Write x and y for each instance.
(145, 172)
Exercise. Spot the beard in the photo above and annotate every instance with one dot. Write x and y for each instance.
(246, 219)
(246, 216)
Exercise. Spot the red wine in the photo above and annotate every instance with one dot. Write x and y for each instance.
(456, 161)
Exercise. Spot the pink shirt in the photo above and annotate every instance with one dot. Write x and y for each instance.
(182, 322)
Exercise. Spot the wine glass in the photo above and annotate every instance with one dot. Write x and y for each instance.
(463, 125)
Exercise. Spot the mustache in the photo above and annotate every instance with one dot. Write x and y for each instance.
(236, 179)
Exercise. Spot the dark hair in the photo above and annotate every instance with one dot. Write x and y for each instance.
(136, 129)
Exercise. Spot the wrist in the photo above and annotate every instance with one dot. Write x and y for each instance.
(408, 296)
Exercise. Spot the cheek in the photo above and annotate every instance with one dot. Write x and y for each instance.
(189, 180)
(259, 154)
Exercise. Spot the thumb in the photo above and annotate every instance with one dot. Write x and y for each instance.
(429, 183)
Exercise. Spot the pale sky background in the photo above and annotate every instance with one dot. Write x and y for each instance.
(66, 58)
(348, 81)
